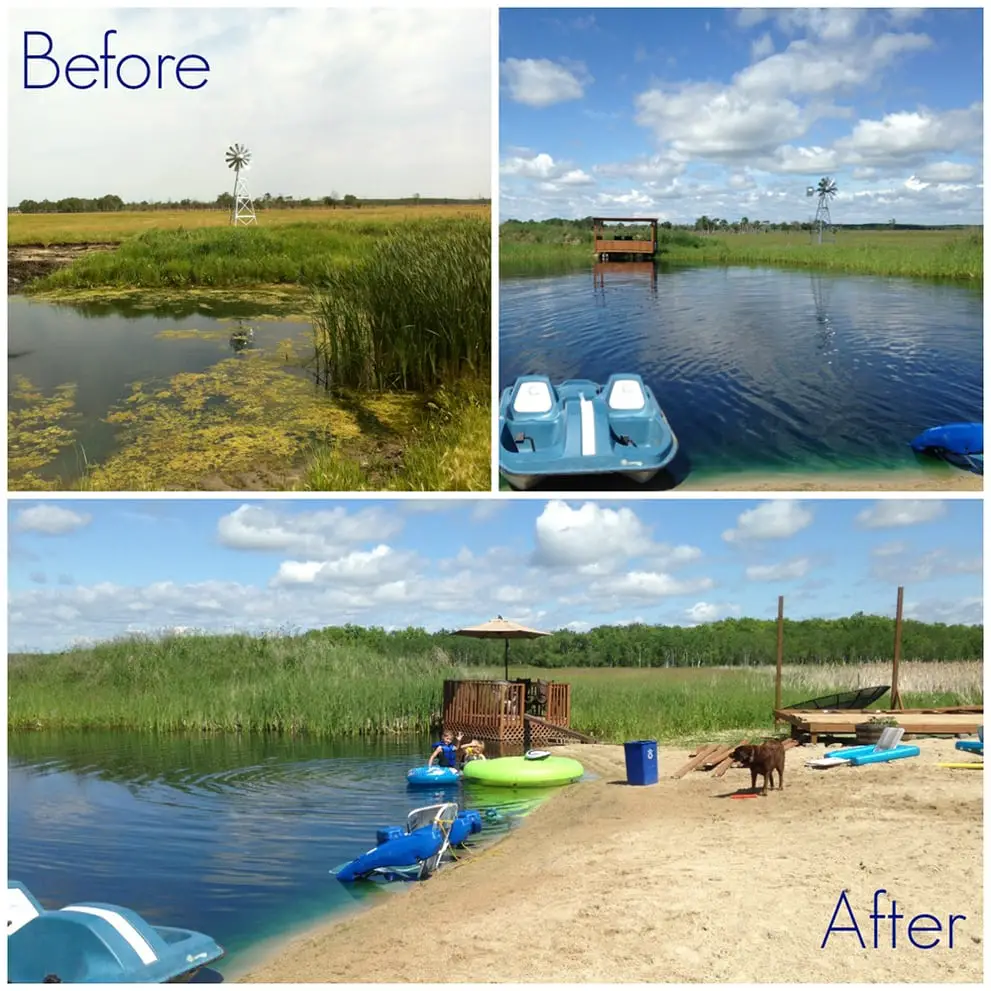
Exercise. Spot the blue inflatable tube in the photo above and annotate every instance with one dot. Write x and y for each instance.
(403, 851)
(868, 754)
(962, 444)
(431, 777)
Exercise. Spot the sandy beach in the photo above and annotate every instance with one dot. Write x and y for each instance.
(679, 882)
(893, 481)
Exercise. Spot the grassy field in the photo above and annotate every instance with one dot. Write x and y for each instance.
(112, 228)
(307, 685)
(936, 254)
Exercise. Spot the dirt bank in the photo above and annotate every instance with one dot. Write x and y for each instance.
(677, 882)
(27, 262)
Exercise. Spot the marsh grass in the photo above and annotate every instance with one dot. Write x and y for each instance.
(216, 258)
(935, 254)
(443, 448)
(324, 684)
(112, 228)
(415, 313)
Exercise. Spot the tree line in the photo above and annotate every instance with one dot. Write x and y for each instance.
(730, 642)
(708, 225)
(225, 201)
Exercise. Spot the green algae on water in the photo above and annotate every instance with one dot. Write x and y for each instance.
(38, 430)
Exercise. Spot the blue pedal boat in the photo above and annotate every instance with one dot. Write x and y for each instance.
(416, 851)
(582, 428)
(960, 444)
(95, 943)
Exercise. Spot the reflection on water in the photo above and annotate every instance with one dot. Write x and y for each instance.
(232, 836)
(761, 368)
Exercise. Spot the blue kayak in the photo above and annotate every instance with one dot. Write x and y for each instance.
(582, 428)
(432, 777)
(960, 444)
(95, 943)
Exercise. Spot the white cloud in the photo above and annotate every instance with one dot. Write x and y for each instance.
(50, 520)
(896, 512)
(783, 571)
(762, 47)
(322, 533)
(589, 535)
(542, 83)
(709, 612)
(648, 585)
(380, 565)
(774, 520)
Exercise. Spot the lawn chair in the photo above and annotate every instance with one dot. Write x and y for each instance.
(973, 746)
(888, 747)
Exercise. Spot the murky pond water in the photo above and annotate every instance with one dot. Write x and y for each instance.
(114, 363)
(761, 369)
(233, 836)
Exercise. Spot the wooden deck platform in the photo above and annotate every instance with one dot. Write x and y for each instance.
(918, 722)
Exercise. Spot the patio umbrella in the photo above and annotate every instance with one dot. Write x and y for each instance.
(501, 629)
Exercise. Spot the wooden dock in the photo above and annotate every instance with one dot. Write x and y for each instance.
(959, 720)
(625, 240)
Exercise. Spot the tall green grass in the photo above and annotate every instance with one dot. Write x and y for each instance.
(327, 684)
(218, 257)
(416, 312)
(934, 254)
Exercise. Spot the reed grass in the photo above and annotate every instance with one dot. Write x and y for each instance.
(935, 254)
(335, 684)
(416, 312)
(112, 228)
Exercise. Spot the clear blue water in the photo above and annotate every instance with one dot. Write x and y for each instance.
(228, 835)
(103, 348)
(757, 368)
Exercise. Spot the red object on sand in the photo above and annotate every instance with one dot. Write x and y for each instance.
(746, 794)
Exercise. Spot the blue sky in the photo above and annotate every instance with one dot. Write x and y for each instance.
(679, 113)
(377, 103)
(90, 570)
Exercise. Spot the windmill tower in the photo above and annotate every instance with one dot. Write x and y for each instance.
(237, 158)
(825, 191)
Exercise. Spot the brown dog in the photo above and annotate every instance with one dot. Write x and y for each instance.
(765, 759)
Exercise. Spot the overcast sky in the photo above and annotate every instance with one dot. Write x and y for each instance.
(680, 113)
(264, 566)
(381, 103)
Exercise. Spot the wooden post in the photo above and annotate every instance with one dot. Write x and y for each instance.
(896, 698)
(506, 658)
(781, 652)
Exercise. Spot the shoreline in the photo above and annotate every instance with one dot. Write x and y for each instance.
(867, 480)
(674, 883)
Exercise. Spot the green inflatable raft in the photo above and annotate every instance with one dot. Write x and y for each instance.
(523, 772)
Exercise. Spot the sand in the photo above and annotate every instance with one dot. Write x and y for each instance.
(894, 481)
(678, 882)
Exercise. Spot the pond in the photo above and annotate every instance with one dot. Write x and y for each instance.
(233, 836)
(759, 369)
(111, 376)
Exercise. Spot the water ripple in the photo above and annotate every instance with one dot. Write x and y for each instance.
(763, 367)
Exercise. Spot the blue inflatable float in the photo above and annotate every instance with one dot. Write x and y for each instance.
(415, 852)
(94, 943)
(961, 444)
(432, 777)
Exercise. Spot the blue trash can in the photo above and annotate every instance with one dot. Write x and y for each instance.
(641, 762)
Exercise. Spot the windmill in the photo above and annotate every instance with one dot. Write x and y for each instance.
(237, 158)
(826, 190)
